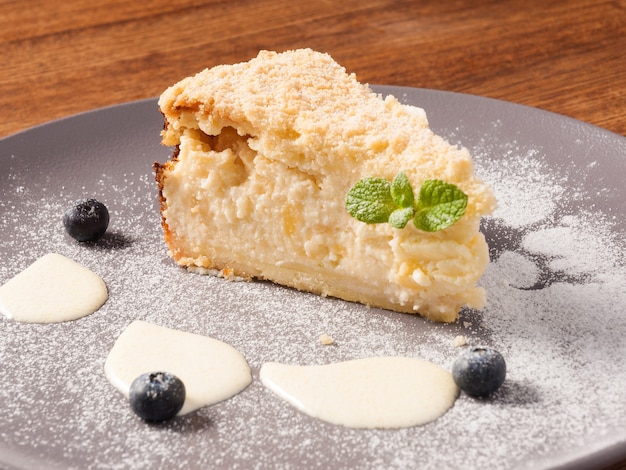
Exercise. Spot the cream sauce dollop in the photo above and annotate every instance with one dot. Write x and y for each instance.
(211, 370)
(53, 289)
(376, 392)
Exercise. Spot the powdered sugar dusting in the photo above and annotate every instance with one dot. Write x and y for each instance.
(555, 310)
(524, 200)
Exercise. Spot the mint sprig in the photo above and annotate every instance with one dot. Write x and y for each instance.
(374, 200)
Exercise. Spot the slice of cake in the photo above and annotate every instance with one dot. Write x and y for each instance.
(266, 153)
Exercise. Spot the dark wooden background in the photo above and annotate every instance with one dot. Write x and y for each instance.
(61, 57)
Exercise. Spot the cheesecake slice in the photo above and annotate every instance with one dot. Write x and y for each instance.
(266, 152)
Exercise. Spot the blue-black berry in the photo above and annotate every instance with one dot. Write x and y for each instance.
(86, 220)
(479, 371)
(157, 396)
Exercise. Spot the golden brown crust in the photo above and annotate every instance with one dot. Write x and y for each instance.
(159, 176)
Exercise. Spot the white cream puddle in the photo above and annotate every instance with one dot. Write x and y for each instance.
(211, 370)
(377, 392)
(52, 289)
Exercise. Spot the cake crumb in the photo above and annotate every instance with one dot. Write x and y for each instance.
(467, 324)
(460, 341)
(326, 340)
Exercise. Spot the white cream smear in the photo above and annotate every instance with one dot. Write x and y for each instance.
(211, 370)
(376, 392)
(53, 289)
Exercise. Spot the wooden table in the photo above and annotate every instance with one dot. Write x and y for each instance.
(61, 57)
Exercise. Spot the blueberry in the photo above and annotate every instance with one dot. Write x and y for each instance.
(86, 220)
(157, 396)
(479, 371)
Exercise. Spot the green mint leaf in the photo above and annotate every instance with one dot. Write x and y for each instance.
(401, 191)
(375, 200)
(400, 217)
(439, 205)
(370, 201)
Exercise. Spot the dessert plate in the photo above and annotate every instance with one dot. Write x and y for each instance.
(556, 309)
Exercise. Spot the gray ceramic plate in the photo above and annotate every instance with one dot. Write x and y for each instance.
(556, 309)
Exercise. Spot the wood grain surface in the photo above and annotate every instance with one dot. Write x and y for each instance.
(61, 57)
